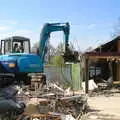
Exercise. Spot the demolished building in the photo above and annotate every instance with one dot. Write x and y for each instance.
(103, 63)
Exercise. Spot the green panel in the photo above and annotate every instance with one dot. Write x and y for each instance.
(76, 77)
(70, 75)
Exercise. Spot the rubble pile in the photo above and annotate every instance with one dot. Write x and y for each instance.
(71, 105)
(54, 105)
(105, 91)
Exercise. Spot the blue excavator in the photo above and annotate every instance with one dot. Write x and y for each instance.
(17, 62)
(16, 65)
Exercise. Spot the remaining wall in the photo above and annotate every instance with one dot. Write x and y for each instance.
(69, 75)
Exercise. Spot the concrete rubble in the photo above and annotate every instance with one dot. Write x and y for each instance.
(53, 103)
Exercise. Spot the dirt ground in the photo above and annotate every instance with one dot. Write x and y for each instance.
(104, 107)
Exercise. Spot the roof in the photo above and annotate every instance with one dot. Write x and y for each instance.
(110, 46)
(107, 50)
(17, 37)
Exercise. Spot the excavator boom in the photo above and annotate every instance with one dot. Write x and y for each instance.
(45, 35)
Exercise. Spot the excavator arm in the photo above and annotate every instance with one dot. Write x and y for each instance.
(45, 35)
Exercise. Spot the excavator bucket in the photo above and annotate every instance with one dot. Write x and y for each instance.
(71, 56)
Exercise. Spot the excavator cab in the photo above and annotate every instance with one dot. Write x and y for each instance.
(15, 44)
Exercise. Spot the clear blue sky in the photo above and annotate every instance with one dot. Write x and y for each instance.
(92, 21)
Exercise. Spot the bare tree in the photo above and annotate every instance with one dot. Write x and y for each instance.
(50, 50)
(116, 28)
(34, 48)
(61, 48)
(89, 49)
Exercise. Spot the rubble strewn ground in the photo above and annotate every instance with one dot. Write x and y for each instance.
(55, 103)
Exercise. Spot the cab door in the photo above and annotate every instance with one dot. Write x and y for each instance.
(6, 46)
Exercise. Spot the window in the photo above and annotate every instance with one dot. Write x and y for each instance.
(2, 47)
(15, 45)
